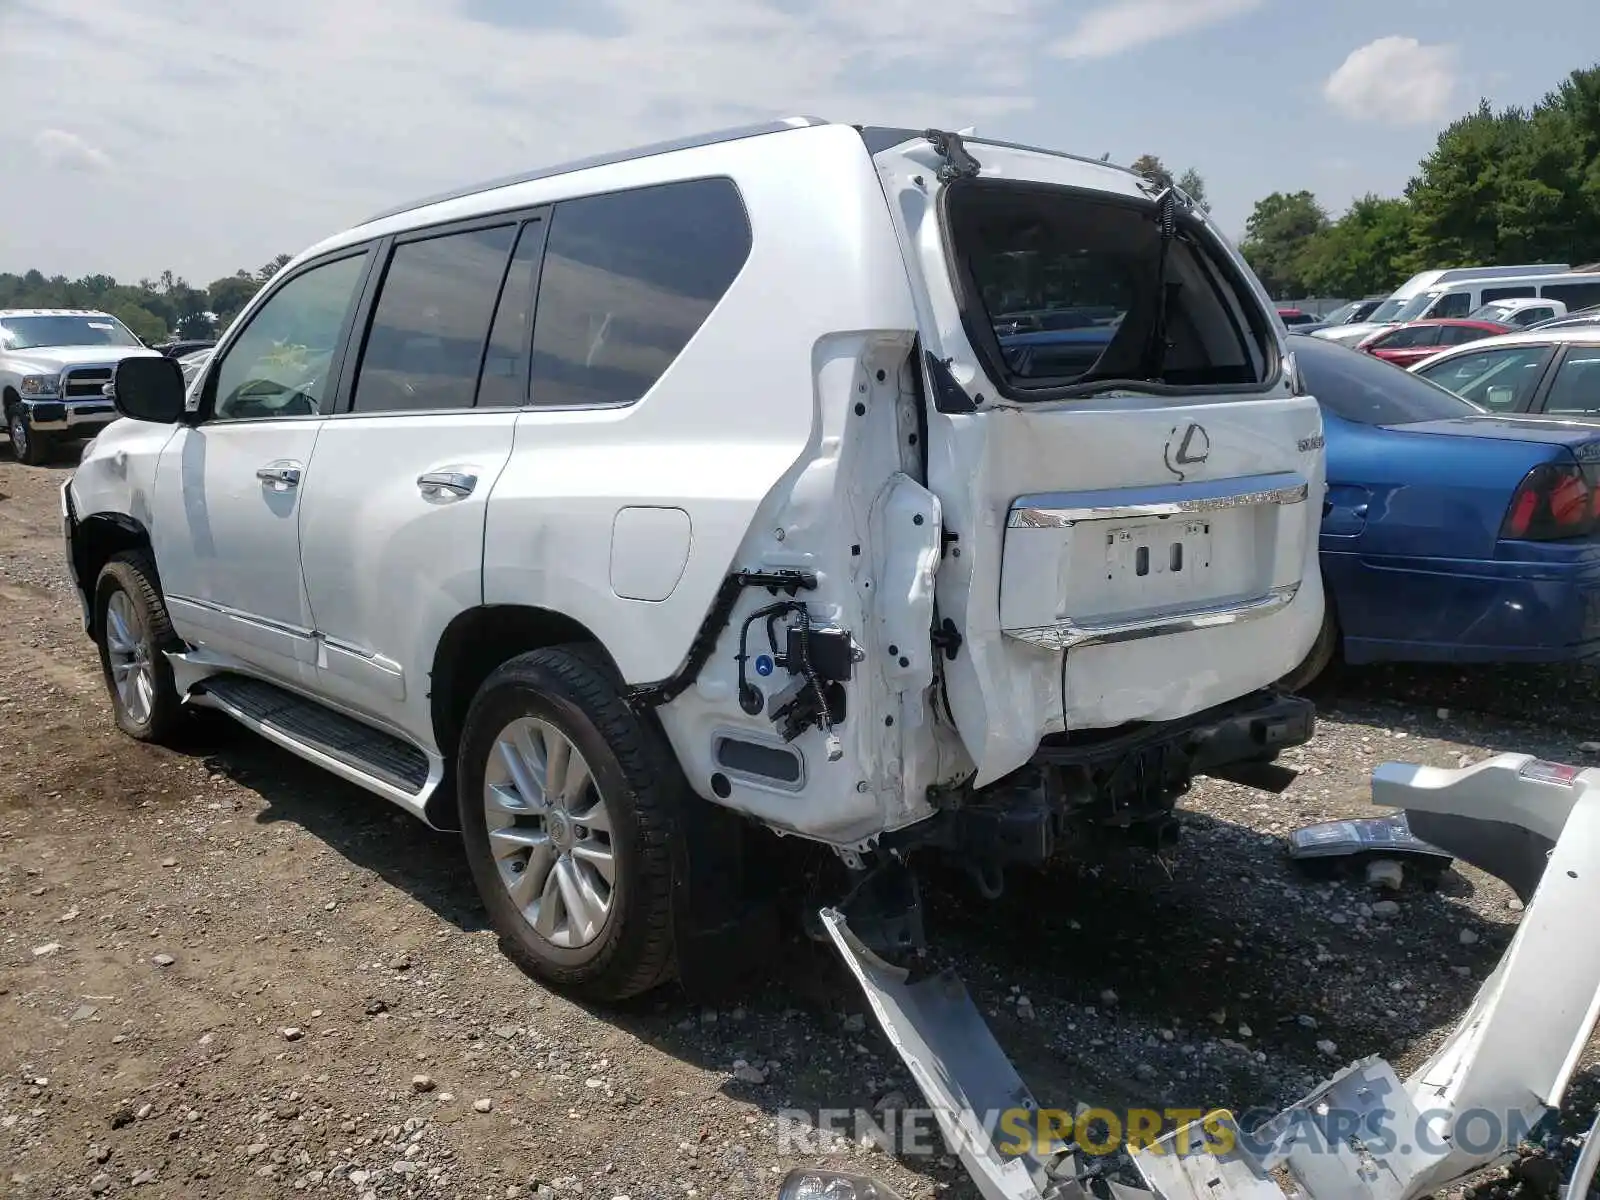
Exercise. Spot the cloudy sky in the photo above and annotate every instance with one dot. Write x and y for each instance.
(207, 135)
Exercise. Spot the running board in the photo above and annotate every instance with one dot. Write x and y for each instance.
(1365, 1134)
(367, 757)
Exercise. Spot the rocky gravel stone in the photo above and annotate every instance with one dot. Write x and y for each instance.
(1219, 976)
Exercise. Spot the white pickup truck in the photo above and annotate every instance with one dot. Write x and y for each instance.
(54, 367)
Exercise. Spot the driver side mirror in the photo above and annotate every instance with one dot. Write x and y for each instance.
(149, 389)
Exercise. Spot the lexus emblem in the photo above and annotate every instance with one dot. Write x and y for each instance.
(1187, 447)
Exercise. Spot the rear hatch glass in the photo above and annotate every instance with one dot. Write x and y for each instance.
(1063, 291)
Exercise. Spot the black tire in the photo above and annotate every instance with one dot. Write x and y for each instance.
(572, 689)
(1321, 655)
(27, 444)
(131, 574)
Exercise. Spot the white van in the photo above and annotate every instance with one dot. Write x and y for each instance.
(1459, 299)
(615, 511)
(1405, 304)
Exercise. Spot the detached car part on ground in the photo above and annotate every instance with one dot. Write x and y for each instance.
(778, 526)
(1365, 1134)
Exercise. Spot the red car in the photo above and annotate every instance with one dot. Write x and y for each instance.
(1406, 344)
(1295, 316)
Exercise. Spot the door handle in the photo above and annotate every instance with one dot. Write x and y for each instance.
(280, 476)
(456, 483)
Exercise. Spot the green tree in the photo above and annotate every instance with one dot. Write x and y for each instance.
(273, 267)
(1277, 236)
(1367, 250)
(1518, 185)
(1152, 168)
(146, 326)
(1192, 182)
(1457, 194)
(230, 294)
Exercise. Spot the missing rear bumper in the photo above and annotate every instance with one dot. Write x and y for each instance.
(1365, 1134)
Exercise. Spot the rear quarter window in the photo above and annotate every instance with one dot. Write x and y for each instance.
(628, 278)
(1369, 391)
(1083, 271)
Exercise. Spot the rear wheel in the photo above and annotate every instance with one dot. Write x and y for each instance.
(133, 633)
(566, 800)
(27, 445)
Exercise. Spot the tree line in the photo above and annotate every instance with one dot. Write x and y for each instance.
(1517, 185)
(1513, 186)
(154, 309)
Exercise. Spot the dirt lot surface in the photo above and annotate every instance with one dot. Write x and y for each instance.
(223, 973)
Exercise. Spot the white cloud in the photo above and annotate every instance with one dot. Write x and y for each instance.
(1127, 24)
(244, 130)
(1395, 80)
(69, 152)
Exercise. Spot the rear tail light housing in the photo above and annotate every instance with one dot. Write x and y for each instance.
(1555, 500)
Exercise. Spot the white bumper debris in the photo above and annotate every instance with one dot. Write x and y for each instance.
(1365, 1134)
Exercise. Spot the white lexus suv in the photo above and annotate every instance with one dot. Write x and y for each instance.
(903, 494)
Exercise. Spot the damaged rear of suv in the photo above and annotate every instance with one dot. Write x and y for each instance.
(1128, 480)
(868, 486)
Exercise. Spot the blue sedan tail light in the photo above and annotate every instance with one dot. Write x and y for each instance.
(1554, 501)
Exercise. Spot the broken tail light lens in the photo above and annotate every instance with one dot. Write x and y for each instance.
(804, 1184)
(1554, 501)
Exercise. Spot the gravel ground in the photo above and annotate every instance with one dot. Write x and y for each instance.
(224, 973)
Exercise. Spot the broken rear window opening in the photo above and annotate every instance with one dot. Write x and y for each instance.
(1061, 294)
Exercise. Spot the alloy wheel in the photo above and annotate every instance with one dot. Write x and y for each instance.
(550, 832)
(128, 651)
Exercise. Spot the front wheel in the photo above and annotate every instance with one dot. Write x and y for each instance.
(133, 633)
(27, 445)
(567, 799)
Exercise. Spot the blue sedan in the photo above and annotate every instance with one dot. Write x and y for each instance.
(1449, 534)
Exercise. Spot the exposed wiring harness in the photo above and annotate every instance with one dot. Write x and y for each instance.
(750, 696)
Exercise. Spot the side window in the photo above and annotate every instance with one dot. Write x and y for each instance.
(1460, 335)
(1500, 380)
(1452, 304)
(278, 367)
(431, 321)
(1532, 316)
(1411, 335)
(628, 279)
(505, 363)
(1576, 387)
(1508, 293)
(1573, 295)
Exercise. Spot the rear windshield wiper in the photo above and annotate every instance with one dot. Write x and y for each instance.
(1155, 351)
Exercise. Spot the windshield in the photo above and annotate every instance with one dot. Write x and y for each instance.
(1415, 307)
(1341, 314)
(1386, 310)
(1369, 391)
(27, 333)
(1493, 311)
